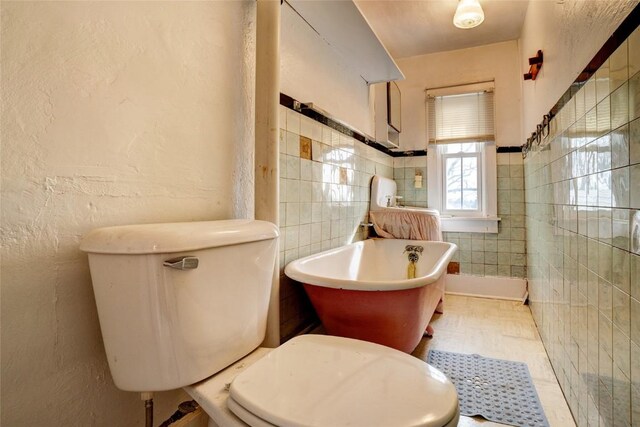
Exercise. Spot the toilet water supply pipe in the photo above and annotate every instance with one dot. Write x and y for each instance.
(147, 397)
(267, 150)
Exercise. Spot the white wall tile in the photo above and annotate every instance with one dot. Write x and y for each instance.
(305, 213)
(292, 214)
(291, 237)
(326, 135)
(305, 235)
(293, 144)
(293, 190)
(316, 170)
(282, 116)
(305, 191)
(293, 122)
(502, 158)
(293, 167)
(515, 159)
(306, 126)
(316, 212)
(306, 170)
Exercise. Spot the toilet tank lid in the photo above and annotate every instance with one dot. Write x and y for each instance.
(176, 237)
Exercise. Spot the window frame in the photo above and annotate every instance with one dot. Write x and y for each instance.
(485, 219)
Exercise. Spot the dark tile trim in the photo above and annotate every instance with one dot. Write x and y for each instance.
(289, 102)
(292, 104)
(624, 30)
(414, 153)
(512, 149)
(630, 23)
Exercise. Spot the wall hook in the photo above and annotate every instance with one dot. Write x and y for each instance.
(535, 64)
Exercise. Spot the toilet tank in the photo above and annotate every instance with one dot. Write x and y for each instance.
(179, 302)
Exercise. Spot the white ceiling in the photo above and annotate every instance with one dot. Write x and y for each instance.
(409, 28)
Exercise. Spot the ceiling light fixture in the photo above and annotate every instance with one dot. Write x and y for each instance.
(469, 14)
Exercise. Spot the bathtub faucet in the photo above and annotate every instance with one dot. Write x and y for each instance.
(413, 250)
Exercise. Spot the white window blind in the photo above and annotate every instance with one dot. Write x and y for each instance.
(461, 117)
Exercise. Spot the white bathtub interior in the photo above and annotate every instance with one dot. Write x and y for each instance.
(373, 264)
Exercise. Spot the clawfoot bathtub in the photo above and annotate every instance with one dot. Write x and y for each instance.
(362, 291)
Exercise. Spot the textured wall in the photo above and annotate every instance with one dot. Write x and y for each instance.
(113, 113)
(480, 254)
(325, 178)
(583, 218)
(569, 32)
(497, 62)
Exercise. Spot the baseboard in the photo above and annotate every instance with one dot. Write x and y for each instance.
(508, 288)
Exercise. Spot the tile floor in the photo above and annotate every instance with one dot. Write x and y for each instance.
(503, 330)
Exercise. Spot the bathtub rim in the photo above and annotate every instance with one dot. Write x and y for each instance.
(293, 270)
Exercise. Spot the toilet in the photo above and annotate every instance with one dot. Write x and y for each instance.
(185, 305)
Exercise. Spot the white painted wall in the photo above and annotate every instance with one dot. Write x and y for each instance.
(311, 71)
(497, 62)
(569, 33)
(113, 113)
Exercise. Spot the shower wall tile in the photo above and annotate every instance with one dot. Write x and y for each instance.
(324, 197)
(479, 254)
(405, 171)
(582, 195)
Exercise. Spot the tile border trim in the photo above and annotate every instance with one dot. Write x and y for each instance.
(299, 107)
(509, 149)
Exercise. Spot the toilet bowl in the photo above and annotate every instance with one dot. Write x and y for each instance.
(317, 380)
(176, 311)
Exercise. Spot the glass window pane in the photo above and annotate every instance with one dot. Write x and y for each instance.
(453, 148)
(453, 184)
(462, 147)
(470, 183)
(470, 147)
(470, 201)
(470, 173)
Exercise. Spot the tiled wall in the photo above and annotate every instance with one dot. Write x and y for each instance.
(404, 171)
(324, 196)
(582, 195)
(480, 254)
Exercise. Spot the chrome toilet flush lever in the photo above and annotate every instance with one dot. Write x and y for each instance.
(182, 263)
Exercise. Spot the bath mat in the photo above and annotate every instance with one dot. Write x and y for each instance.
(497, 390)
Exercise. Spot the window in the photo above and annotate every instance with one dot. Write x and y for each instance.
(462, 157)
(462, 180)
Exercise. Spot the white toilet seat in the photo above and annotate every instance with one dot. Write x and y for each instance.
(318, 381)
(245, 415)
(254, 421)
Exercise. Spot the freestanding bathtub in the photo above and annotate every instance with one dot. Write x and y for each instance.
(362, 291)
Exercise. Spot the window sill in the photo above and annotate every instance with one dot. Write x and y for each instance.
(470, 224)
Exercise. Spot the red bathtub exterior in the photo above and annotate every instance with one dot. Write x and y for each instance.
(396, 319)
